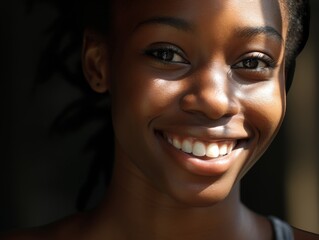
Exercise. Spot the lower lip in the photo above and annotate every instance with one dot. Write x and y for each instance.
(199, 166)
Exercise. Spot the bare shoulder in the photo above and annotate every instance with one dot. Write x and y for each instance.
(304, 235)
(68, 228)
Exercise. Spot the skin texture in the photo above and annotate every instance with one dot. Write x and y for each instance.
(204, 95)
(209, 71)
(208, 98)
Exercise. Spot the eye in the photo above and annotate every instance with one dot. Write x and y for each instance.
(256, 62)
(167, 54)
(252, 63)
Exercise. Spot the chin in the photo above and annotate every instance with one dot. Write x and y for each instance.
(199, 196)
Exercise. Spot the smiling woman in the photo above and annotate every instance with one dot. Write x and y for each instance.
(211, 99)
(197, 92)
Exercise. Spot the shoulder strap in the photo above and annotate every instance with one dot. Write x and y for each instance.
(281, 230)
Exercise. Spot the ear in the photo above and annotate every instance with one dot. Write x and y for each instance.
(94, 61)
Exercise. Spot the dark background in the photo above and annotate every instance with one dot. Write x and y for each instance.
(42, 172)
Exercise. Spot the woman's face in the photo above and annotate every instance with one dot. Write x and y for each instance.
(197, 91)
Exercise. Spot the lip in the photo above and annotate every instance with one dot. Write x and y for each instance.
(203, 166)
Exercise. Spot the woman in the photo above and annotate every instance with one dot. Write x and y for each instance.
(197, 92)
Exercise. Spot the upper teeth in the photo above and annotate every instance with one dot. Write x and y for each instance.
(200, 149)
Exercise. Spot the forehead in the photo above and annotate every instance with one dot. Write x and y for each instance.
(128, 13)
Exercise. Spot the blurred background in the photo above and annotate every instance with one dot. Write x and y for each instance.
(42, 172)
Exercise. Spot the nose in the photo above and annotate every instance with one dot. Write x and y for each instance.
(211, 93)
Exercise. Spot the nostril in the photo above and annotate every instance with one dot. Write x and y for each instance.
(210, 103)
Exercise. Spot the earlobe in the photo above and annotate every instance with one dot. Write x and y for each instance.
(94, 61)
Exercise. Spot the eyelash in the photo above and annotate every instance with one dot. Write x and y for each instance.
(170, 51)
(260, 58)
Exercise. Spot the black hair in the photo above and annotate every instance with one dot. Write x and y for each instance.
(298, 28)
(298, 32)
(96, 14)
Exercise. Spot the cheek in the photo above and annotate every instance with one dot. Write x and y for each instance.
(139, 96)
(265, 109)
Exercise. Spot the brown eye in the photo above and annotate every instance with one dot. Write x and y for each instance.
(251, 63)
(167, 54)
(255, 62)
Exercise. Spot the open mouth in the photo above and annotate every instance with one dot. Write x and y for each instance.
(200, 148)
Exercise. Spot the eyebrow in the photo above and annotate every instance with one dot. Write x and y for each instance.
(177, 23)
(181, 24)
(249, 32)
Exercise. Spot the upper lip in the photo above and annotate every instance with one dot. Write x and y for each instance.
(208, 134)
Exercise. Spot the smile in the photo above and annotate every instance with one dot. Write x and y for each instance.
(198, 148)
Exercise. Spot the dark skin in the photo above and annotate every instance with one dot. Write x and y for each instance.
(205, 75)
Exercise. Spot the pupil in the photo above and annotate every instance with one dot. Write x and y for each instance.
(166, 55)
(251, 63)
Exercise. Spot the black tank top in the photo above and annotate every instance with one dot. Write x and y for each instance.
(281, 230)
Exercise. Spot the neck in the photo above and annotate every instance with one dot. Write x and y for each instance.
(138, 210)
